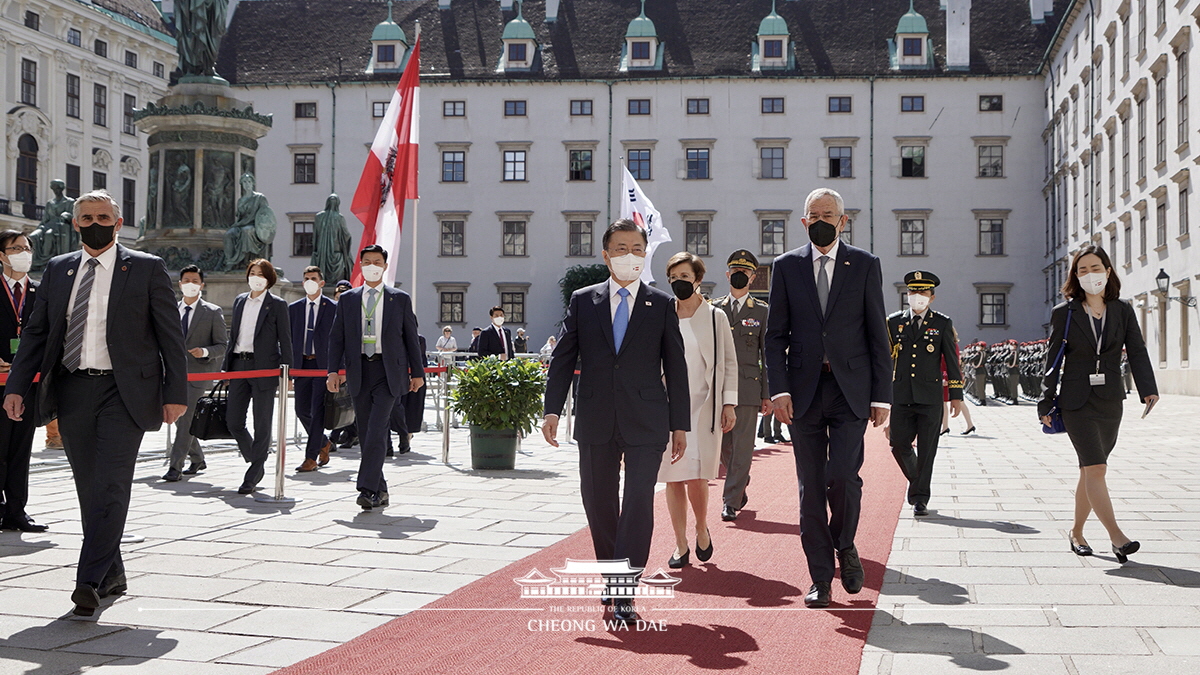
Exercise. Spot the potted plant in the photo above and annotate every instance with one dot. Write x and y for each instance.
(498, 399)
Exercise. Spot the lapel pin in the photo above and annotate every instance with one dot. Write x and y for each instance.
(70, 273)
(124, 268)
(846, 263)
(649, 304)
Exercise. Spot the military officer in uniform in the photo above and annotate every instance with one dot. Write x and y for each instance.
(748, 319)
(920, 338)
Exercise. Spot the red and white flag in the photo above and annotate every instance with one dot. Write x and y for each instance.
(638, 208)
(390, 176)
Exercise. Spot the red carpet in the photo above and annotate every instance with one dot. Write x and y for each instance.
(743, 609)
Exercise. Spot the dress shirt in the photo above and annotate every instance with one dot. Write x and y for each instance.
(913, 316)
(94, 352)
(739, 303)
(615, 298)
(250, 311)
(366, 303)
(195, 303)
(13, 283)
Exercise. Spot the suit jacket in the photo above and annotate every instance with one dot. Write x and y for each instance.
(8, 317)
(489, 343)
(1120, 330)
(621, 387)
(851, 334)
(298, 314)
(403, 358)
(206, 330)
(144, 339)
(749, 330)
(272, 337)
(918, 359)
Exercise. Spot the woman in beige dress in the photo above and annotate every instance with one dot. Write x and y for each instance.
(713, 385)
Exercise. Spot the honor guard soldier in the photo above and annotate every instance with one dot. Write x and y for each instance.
(921, 339)
(748, 319)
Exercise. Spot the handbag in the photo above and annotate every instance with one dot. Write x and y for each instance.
(339, 408)
(208, 422)
(1056, 422)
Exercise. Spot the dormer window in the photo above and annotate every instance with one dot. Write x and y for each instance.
(390, 46)
(911, 49)
(641, 50)
(385, 54)
(913, 46)
(773, 49)
(517, 53)
(520, 46)
(770, 51)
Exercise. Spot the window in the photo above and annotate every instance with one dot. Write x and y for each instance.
(697, 164)
(1160, 225)
(513, 303)
(1112, 65)
(773, 241)
(385, 54)
(771, 160)
(514, 165)
(912, 161)
(991, 103)
(100, 105)
(697, 236)
(73, 96)
(639, 164)
(459, 108)
(1112, 169)
(580, 165)
(772, 106)
(582, 107)
(1141, 40)
(912, 104)
(27, 166)
(992, 308)
(379, 109)
(839, 104)
(1162, 12)
(304, 166)
(454, 166)
(73, 174)
(1125, 155)
(28, 82)
(302, 238)
(127, 125)
(1141, 138)
(991, 236)
(453, 238)
(160, 70)
(991, 161)
(514, 108)
(450, 307)
(1183, 210)
(129, 197)
(306, 110)
(1142, 234)
(639, 106)
(33, 20)
(74, 37)
(1112, 246)
(912, 46)
(101, 48)
(640, 50)
(1181, 97)
(514, 238)
(839, 162)
(580, 239)
(1125, 47)
(773, 49)
(848, 232)
(131, 59)
(697, 106)
(99, 180)
(517, 52)
(1160, 124)
(1128, 242)
(912, 237)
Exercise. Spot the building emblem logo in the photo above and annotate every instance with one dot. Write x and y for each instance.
(590, 578)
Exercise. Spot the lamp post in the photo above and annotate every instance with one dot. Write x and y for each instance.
(1164, 283)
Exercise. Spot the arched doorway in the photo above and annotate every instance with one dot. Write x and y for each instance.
(27, 165)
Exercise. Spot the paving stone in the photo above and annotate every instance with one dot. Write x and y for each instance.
(24, 632)
(171, 613)
(17, 661)
(407, 580)
(309, 596)
(304, 624)
(1009, 664)
(1107, 640)
(278, 653)
(141, 666)
(170, 644)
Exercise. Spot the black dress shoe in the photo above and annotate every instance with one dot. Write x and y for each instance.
(625, 613)
(383, 499)
(852, 570)
(745, 497)
(368, 499)
(391, 452)
(1123, 552)
(818, 595)
(969, 431)
(1079, 549)
(727, 513)
(704, 553)
(683, 560)
(349, 442)
(173, 475)
(23, 524)
(919, 509)
(246, 489)
(114, 585)
(194, 468)
(86, 600)
(944, 431)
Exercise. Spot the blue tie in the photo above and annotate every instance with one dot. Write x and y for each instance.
(621, 320)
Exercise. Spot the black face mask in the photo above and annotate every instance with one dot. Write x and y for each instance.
(822, 233)
(683, 289)
(739, 279)
(97, 236)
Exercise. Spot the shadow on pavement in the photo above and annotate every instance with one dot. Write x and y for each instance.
(940, 634)
(931, 591)
(708, 579)
(32, 642)
(1145, 571)
(998, 525)
(708, 647)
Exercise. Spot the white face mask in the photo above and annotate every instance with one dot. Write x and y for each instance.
(257, 284)
(372, 273)
(498, 320)
(627, 267)
(918, 302)
(21, 262)
(190, 290)
(1093, 283)
(311, 287)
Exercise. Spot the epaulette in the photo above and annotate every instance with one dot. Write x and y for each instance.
(895, 314)
(934, 312)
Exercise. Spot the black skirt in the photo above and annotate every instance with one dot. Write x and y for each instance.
(1093, 429)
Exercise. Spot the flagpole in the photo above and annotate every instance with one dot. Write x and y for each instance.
(413, 291)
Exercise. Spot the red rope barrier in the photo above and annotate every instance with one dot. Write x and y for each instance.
(246, 374)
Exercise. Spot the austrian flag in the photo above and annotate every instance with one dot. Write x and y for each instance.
(390, 176)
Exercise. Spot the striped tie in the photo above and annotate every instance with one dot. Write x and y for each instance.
(73, 352)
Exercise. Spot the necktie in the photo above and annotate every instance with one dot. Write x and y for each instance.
(503, 344)
(621, 320)
(73, 349)
(187, 319)
(17, 293)
(370, 346)
(310, 330)
(823, 283)
(917, 325)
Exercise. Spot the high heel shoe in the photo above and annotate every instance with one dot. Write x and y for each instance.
(1123, 552)
(944, 431)
(704, 553)
(676, 563)
(969, 431)
(1079, 549)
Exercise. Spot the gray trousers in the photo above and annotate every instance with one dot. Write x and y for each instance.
(737, 452)
(185, 444)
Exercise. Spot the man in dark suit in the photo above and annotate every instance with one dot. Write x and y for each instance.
(205, 338)
(625, 336)
(828, 371)
(311, 320)
(105, 338)
(409, 411)
(474, 346)
(496, 340)
(16, 438)
(374, 338)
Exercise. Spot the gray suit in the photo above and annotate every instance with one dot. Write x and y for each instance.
(206, 329)
(749, 325)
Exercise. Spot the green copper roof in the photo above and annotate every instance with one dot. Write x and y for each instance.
(641, 27)
(518, 28)
(388, 30)
(773, 24)
(912, 22)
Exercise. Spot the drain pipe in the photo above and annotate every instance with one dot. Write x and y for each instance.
(333, 139)
(871, 170)
(608, 209)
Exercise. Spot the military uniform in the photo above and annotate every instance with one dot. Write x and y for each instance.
(749, 324)
(920, 343)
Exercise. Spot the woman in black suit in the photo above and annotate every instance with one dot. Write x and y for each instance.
(259, 339)
(1091, 394)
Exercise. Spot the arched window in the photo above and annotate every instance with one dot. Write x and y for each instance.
(27, 169)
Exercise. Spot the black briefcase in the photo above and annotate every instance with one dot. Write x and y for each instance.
(339, 408)
(208, 422)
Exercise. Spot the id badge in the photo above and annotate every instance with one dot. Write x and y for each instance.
(13, 344)
(1098, 379)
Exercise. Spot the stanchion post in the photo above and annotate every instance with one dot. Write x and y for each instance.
(446, 416)
(281, 444)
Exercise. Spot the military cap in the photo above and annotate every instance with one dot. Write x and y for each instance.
(343, 284)
(743, 259)
(921, 281)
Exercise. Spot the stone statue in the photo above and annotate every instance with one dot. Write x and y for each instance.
(218, 193)
(199, 27)
(54, 236)
(181, 199)
(331, 242)
(151, 201)
(252, 231)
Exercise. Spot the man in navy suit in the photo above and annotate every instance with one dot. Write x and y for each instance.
(625, 336)
(828, 372)
(374, 338)
(311, 319)
(496, 340)
(105, 338)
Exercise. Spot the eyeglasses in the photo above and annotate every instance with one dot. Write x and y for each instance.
(623, 250)
(18, 249)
